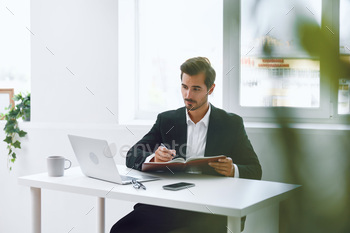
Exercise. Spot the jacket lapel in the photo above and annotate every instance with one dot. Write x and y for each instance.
(212, 138)
(180, 128)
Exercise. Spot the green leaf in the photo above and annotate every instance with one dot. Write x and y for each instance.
(14, 155)
(12, 160)
(8, 140)
(17, 144)
(11, 121)
(18, 97)
(19, 106)
(14, 113)
(26, 111)
(10, 125)
(10, 151)
(27, 103)
(10, 129)
(22, 133)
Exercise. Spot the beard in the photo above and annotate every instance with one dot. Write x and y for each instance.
(192, 106)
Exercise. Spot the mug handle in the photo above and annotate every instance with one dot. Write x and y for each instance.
(70, 164)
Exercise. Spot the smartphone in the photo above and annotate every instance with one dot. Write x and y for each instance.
(178, 186)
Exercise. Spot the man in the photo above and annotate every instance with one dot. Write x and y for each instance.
(198, 129)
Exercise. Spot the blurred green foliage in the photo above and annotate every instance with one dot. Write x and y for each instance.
(323, 204)
(12, 130)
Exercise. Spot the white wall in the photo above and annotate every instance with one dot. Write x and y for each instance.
(73, 53)
(83, 37)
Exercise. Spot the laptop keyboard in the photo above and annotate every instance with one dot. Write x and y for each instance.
(126, 178)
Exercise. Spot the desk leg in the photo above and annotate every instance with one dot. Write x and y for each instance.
(36, 209)
(233, 224)
(100, 215)
(263, 220)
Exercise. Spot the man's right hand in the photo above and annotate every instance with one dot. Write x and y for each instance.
(163, 154)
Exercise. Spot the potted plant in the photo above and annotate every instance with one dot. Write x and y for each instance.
(12, 131)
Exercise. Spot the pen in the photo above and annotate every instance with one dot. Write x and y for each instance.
(166, 148)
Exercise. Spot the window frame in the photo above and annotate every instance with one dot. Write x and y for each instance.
(327, 112)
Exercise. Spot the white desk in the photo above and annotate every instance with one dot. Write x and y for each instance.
(238, 197)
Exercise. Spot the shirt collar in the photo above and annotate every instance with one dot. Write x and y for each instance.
(204, 120)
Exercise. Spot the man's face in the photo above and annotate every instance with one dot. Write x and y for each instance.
(194, 91)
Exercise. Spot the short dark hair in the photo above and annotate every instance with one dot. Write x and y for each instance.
(196, 65)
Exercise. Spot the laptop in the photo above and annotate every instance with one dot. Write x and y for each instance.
(96, 161)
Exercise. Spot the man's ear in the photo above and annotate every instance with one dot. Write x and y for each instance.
(211, 89)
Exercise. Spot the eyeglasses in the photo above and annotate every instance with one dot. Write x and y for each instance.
(137, 185)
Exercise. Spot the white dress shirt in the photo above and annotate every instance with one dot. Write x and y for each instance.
(197, 135)
(197, 139)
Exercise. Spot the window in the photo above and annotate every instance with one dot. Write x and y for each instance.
(286, 76)
(272, 70)
(15, 46)
(344, 50)
(264, 65)
(155, 38)
(283, 76)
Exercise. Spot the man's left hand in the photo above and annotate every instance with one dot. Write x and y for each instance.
(224, 167)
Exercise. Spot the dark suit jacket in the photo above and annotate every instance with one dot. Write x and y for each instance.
(226, 136)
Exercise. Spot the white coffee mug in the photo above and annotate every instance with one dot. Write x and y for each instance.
(56, 165)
